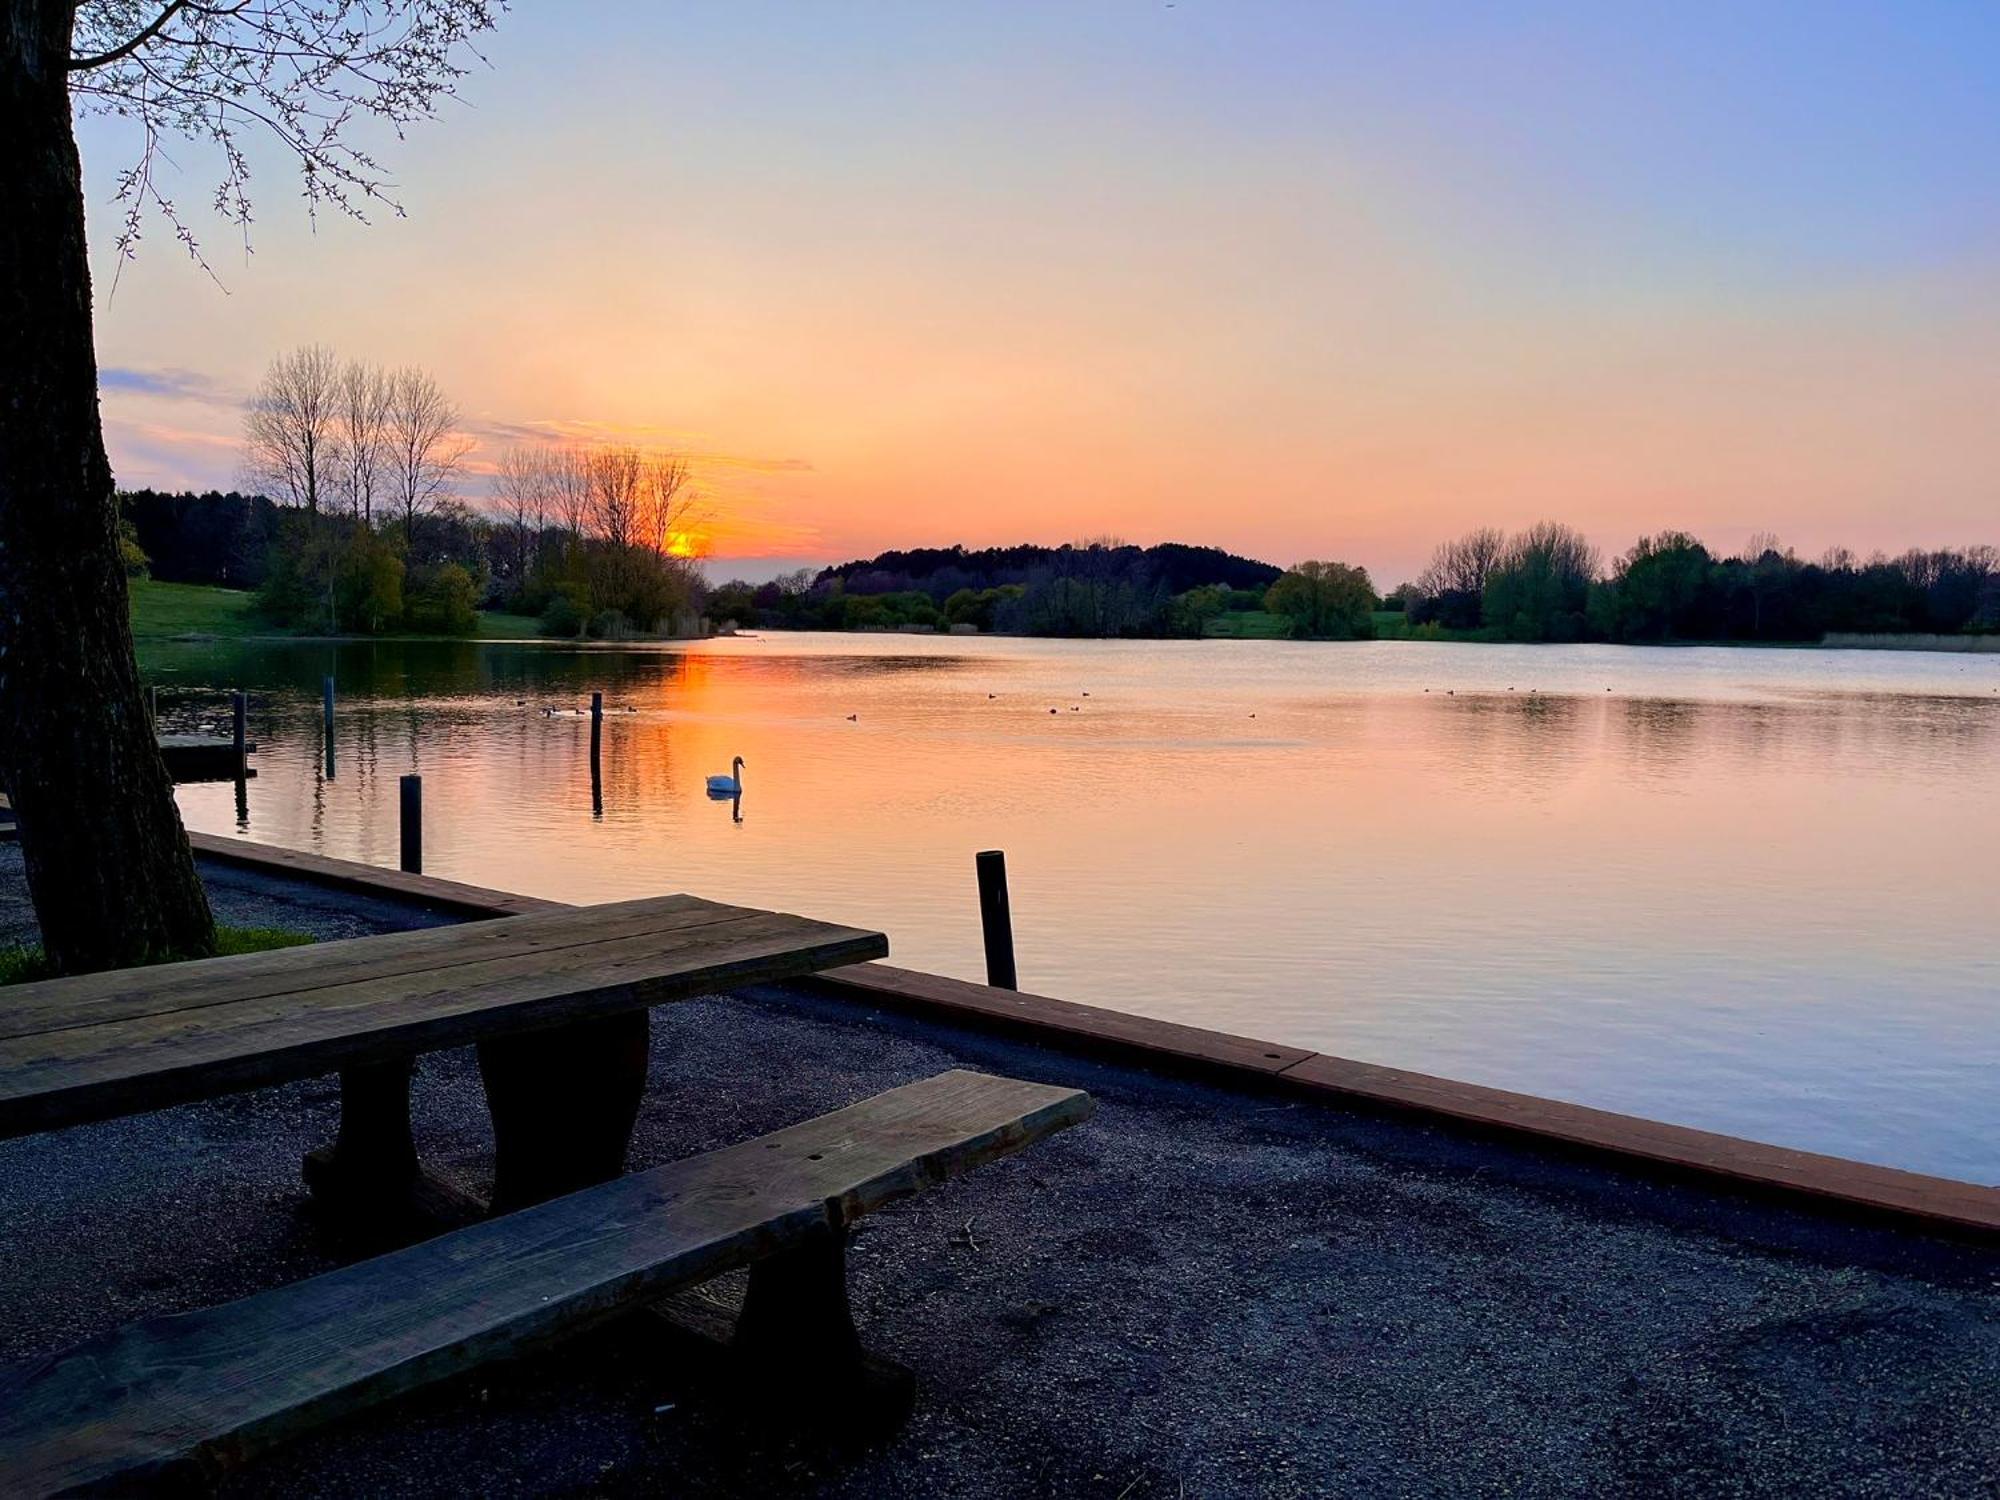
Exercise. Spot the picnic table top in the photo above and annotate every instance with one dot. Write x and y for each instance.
(96, 1046)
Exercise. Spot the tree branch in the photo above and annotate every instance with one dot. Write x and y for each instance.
(126, 49)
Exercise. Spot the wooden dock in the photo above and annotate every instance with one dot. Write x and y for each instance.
(205, 757)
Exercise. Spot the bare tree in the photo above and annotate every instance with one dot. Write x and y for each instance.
(617, 493)
(291, 428)
(361, 425)
(423, 447)
(1463, 566)
(524, 485)
(570, 489)
(667, 504)
(1762, 544)
(107, 861)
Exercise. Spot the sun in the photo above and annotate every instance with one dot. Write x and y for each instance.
(686, 544)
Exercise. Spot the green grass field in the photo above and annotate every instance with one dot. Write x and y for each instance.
(1393, 625)
(161, 611)
(498, 625)
(1249, 625)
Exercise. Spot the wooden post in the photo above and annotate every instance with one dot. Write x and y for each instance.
(995, 920)
(153, 705)
(413, 824)
(326, 714)
(596, 747)
(240, 705)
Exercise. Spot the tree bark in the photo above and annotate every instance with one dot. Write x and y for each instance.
(108, 863)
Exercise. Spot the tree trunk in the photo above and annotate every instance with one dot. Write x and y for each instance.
(108, 864)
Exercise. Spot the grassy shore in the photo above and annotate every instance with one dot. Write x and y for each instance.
(21, 964)
(1394, 625)
(163, 611)
(1248, 625)
(1390, 625)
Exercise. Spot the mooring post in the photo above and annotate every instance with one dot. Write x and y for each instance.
(326, 707)
(596, 747)
(996, 922)
(153, 705)
(240, 706)
(413, 824)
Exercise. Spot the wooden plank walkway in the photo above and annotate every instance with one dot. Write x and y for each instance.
(99, 1045)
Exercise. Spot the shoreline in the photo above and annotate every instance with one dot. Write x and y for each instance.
(1936, 645)
(1802, 1179)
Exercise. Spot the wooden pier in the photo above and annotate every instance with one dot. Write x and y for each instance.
(205, 757)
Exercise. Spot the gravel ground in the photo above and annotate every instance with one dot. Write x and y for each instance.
(1200, 1292)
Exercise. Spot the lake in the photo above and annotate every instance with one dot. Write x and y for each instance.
(1747, 890)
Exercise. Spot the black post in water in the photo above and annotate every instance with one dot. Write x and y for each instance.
(413, 825)
(995, 921)
(326, 714)
(596, 747)
(240, 706)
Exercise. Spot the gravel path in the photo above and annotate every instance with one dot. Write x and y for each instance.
(1201, 1292)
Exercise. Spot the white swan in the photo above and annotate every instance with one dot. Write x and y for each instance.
(730, 785)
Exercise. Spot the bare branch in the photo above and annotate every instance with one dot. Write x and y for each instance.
(126, 49)
(309, 73)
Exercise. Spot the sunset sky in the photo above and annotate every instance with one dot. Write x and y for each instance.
(1307, 279)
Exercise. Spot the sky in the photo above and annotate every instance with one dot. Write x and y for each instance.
(1296, 279)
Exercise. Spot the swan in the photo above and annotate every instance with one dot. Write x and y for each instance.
(730, 785)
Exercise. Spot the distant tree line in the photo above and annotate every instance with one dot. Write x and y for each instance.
(1098, 588)
(210, 538)
(1546, 583)
(598, 541)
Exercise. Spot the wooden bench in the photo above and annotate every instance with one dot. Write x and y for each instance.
(178, 1399)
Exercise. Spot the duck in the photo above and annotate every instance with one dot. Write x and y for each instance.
(730, 785)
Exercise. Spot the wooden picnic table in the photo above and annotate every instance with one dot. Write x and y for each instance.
(556, 1000)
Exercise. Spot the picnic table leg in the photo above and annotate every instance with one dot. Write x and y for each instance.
(369, 1185)
(795, 1348)
(563, 1103)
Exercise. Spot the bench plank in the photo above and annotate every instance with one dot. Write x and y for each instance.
(213, 1387)
(77, 1073)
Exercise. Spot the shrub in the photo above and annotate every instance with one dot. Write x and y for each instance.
(562, 619)
(1328, 600)
(443, 601)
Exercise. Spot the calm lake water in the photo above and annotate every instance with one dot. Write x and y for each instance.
(1747, 890)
